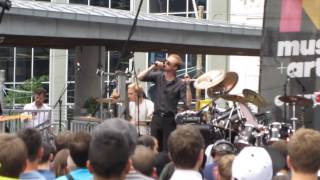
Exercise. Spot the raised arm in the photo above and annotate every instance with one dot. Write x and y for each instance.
(143, 74)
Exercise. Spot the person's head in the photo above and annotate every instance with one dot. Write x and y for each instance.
(109, 154)
(134, 91)
(186, 147)
(39, 96)
(304, 151)
(63, 140)
(224, 166)
(32, 139)
(122, 126)
(252, 163)
(79, 148)
(48, 153)
(221, 148)
(148, 141)
(143, 160)
(173, 63)
(281, 146)
(61, 162)
(13, 156)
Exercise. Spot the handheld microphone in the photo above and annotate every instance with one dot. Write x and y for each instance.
(156, 63)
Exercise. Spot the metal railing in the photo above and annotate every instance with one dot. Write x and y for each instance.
(83, 125)
(15, 119)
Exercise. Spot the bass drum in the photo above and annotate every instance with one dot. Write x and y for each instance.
(248, 115)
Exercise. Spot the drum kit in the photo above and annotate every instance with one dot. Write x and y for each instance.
(238, 123)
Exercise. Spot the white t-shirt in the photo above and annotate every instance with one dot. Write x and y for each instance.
(37, 118)
(179, 174)
(146, 108)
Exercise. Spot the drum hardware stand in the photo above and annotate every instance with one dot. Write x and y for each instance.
(294, 118)
(100, 72)
(229, 121)
(285, 94)
(59, 101)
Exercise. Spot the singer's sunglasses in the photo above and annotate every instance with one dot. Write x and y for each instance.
(169, 63)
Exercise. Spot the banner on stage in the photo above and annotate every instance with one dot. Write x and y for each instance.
(290, 57)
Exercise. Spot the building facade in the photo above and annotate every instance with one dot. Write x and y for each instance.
(22, 63)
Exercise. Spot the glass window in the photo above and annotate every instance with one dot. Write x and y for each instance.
(23, 64)
(70, 93)
(71, 64)
(120, 4)
(78, 2)
(6, 62)
(158, 6)
(177, 5)
(100, 3)
(153, 56)
(116, 63)
(71, 75)
(41, 62)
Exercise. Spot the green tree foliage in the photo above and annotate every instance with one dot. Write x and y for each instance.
(29, 85)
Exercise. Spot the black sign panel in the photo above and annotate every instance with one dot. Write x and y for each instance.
(290, 59)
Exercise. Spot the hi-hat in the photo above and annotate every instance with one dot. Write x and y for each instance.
(209, 79)
(296, 100)
(87, 118)
(254, 97)
(225, 86)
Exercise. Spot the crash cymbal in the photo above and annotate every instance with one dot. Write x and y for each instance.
(297, 100)
(225, 86)
(254, 97)
(234, 98)
(209, 79)
(87, 118)
(107, 100)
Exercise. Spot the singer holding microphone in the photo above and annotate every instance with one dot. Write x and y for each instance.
(169, 91)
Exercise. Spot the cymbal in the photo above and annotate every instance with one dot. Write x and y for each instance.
(234, 98)
(225, 86)
(87, 118)
(107, 100)
(209, 79)
(254, 97)
(297, 100)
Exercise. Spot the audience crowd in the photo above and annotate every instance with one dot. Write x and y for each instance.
(114, 151)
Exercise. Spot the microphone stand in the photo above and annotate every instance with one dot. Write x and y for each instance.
(59, 101)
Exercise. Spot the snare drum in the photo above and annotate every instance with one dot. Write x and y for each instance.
(246, 136)
(278, 131)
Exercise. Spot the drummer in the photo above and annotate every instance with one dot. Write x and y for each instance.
(140, 108)
(169, 90)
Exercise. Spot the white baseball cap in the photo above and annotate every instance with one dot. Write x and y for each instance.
(252, 163)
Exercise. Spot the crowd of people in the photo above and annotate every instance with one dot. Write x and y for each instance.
(114, 151)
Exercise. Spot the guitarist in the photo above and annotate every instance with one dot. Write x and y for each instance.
(38, 118)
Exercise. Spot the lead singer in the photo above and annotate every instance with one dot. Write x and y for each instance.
(169, 91)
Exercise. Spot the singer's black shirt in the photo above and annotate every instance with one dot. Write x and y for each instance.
(168, 93)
